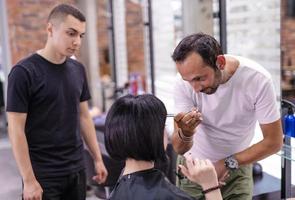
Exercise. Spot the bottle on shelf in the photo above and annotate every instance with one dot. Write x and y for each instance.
(289, 122)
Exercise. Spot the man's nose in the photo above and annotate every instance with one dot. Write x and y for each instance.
(197, 86)
(77, 41)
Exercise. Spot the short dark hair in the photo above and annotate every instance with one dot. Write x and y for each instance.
(204, 45)
(134, 128)
(61, 11)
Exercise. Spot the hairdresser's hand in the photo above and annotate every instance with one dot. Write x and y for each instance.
(32, 190)
(199, 171)
(101, 172)
(221, 170)
(188, 121)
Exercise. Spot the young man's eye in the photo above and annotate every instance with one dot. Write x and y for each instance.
(71, 33)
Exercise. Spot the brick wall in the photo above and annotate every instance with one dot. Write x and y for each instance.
(287, 37)
(135, 40)
(134, 34)
(27, 24)
(103, 37)
(287, 53)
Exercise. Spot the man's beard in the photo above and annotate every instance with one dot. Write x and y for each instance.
(212, 89)
(209, 90)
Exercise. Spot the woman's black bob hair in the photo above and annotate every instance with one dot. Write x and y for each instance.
(135, 128)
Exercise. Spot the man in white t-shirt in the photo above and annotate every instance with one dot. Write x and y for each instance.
(219, 98)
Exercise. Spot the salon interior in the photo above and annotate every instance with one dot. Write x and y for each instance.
(127, 50)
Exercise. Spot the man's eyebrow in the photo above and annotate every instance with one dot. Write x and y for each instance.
(72, 29)
(196, 77)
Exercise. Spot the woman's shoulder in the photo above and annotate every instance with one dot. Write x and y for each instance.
(146, 185)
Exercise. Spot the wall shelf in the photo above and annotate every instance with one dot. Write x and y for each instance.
(287, 152)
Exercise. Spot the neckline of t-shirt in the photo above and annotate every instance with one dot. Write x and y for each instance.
(233, 77)
(51, 63)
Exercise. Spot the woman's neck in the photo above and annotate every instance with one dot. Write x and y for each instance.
(132, 165)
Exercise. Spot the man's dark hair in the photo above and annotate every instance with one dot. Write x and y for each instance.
(61, 11)
(135, 128)
(204, 45)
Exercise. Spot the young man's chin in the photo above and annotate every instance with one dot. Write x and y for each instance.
(69, 54)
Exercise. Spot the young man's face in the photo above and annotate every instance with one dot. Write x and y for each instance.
(67, 35)
(201, 77)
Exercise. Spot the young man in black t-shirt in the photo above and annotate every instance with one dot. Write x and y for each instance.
(47, 107)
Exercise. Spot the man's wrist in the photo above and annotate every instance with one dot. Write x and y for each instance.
(97, 157)
(29, 179)
(188, 133)
(183, 137)
(231, 163)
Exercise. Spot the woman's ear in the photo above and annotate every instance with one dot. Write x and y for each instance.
(220, 62)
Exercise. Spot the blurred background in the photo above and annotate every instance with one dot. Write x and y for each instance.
(128, 47)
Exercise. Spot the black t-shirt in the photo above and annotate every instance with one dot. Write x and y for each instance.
(50, 94)
(148, 184)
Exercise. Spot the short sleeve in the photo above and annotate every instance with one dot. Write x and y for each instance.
(267, 110)
(85, 95)
(18, 90)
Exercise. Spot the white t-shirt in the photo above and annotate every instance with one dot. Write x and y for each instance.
(230, 114)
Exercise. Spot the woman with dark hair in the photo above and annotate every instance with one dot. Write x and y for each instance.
(134, 133)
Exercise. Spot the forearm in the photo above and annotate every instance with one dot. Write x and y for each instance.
(16, 127)
(213, 195)
(202, 172)
(180, 147)
(89, 135)
(272, 142)
(210, 187)
(257, 152)
(21, 153)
